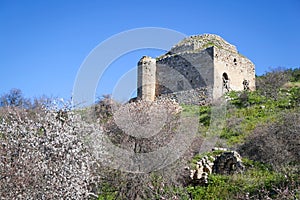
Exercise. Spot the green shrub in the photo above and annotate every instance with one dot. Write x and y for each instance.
(107, 192)
(205, 115)
(295, 97)
(190, 110)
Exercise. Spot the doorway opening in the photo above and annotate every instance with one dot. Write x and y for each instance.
(225, 80)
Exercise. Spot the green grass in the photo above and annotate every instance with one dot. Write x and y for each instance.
(246, 111)
(107, 192)
(190, 110)
(255, 109)
(257, 176)
(251, 107)
(244, 114)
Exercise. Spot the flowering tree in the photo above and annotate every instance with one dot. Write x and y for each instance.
(43, 156)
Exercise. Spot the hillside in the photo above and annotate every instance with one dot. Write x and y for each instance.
(49, 151)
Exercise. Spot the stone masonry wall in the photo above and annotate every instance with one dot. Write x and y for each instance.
(203, 61)
(146, 78)
(198, 96)
(237, 67)
(184, 71)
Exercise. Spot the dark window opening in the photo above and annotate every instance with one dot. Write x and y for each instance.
(234, 60)
(246, 84)
(225, 80)
(225, 76)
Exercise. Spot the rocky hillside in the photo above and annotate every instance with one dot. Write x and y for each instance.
(49, 151)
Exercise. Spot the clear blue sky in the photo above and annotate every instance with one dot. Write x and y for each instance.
(44, 42)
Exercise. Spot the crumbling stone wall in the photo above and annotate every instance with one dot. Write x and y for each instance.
(197, 96)
(237, 67)
(203, 61)
(184, 71)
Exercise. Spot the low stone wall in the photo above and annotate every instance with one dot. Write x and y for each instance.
(198, 96)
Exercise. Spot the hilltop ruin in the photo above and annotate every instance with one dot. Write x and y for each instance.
(196, 68)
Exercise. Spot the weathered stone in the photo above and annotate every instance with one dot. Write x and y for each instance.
(203, 169)
(198, 96)
(198, 63)
(219, 149)
(201, 42)
(146, 78)
(228, 162)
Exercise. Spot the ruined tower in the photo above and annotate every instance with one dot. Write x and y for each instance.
(146, 78)
(198, 63)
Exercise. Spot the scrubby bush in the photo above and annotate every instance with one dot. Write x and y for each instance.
(294, 74)
(144, 127)
(270, 83)
(104, 108)
(294, 97)
(275, 143)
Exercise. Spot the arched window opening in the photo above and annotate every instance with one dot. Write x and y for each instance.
(225, 80)
(234, 61)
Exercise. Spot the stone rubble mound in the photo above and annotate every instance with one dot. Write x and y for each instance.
(228, 162)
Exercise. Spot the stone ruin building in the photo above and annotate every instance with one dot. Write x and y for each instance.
(196, 68)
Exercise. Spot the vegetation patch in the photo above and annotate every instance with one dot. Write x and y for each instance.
(53, 144)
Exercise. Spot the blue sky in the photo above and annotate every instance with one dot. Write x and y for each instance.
(44, 43)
